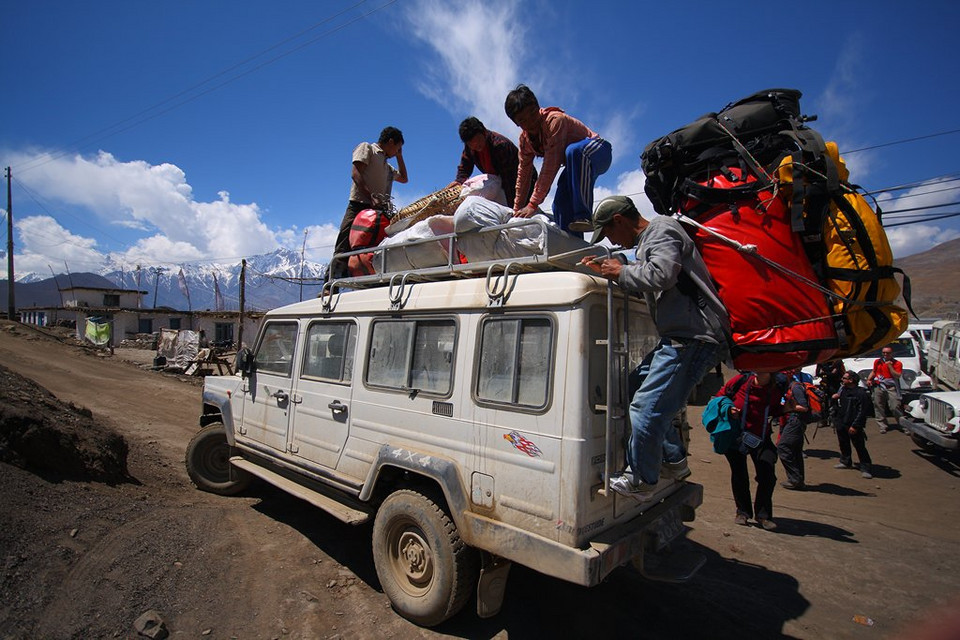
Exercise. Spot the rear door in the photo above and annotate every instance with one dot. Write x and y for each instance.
(325, 389)
(268, 398)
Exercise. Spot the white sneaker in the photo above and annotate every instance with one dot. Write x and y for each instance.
(625, 486)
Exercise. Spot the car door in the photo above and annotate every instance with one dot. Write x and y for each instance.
(321, 421)
(268, 398)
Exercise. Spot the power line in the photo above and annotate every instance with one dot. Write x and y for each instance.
(916, 195)
(912, 185)
(136, 120)
(924, 208)
(905, 140)
(928, 219)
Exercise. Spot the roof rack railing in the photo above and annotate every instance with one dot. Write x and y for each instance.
(552, 238)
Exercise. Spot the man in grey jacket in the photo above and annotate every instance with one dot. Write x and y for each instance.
(690, 320)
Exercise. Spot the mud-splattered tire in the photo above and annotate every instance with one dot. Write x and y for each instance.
(424, 567)
(208, 463)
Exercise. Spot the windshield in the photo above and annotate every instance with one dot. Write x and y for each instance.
(902, 348)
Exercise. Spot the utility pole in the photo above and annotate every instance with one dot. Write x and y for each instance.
(243, 295)
(138, 287)
(156, 271)
(56, 282)
(303, 250)
(11, 301)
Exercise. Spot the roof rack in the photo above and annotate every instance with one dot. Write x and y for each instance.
(559, 251)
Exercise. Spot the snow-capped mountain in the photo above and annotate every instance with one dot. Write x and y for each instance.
(272, 280)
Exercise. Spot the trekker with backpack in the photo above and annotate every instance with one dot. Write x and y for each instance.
(796, 412)
(756, 399)
(690, 320)
(831, 377)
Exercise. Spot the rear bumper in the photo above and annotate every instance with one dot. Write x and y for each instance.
(649, 531)
(928, 433)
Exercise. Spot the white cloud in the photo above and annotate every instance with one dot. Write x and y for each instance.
(840, 107)
(319, 241)
(139, 198)
(841, 97)
(630, 184)
(906, 241)
(481, 47)
(44, 244)
(924, 200)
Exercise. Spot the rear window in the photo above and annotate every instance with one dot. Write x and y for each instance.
(516, 361)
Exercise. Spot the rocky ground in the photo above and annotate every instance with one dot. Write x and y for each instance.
(100, 526)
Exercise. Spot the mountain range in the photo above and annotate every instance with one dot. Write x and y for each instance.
(272, 280)
(934, 281)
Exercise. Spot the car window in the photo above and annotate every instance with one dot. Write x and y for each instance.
(329, 353)
(412, 354)
(902, 348)
(275, 351)
(516, 357)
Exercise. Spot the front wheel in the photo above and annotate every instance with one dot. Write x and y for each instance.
(424, 567)
(208, 463)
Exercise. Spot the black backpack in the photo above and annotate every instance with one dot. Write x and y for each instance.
(754, 134)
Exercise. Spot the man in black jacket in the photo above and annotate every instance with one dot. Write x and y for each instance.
(852, 413)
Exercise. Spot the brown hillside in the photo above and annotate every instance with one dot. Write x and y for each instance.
(935, 277)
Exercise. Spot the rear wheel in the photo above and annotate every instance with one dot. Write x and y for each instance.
(208, 463)
(424, 567)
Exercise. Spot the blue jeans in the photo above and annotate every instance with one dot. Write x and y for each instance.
(584, 161)
(667, 375)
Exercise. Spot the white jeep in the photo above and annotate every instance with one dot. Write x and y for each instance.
(474, 420)
(933, 420)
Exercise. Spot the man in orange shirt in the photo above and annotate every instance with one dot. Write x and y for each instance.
(561, 140)
(884, 381)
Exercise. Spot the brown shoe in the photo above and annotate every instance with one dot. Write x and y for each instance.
(740, 519)
(768, 525)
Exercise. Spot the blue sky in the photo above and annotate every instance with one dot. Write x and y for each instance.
(208, 130)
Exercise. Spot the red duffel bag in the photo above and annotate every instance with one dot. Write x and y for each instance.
(779, 317)
(369, 228)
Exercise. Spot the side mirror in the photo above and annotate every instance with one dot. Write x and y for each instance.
(244, 362)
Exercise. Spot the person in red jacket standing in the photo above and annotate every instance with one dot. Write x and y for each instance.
(756, 399)
(884, 381)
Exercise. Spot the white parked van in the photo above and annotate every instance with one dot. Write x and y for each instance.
(474, 420)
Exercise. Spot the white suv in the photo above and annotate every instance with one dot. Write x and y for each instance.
(933, 420)
(475, 421)
(907, 351)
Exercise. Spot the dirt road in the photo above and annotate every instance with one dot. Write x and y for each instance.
(85, 559)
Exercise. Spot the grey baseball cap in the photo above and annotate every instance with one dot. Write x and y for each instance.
(605, 211)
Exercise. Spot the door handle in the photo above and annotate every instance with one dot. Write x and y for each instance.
(336, 406)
